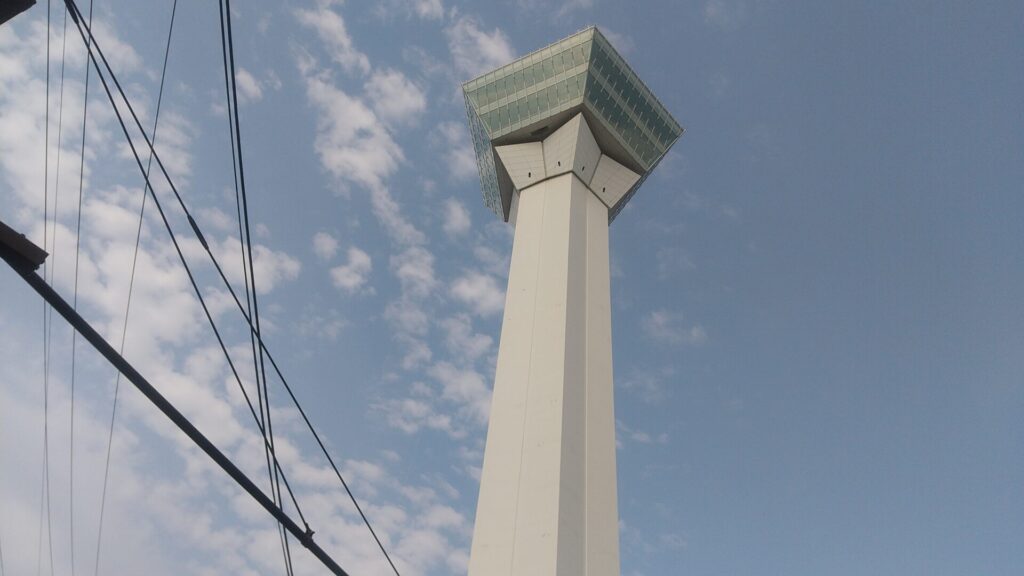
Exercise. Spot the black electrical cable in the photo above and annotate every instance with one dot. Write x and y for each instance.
(46, 236)
(74, 334)
(47, 311)
(76, 16)
(25, 268)
(199, 235)
(228, 51)
(131, 277)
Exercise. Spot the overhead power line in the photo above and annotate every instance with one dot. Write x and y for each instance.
(74, 335)
(25, 270)
(76, 16)
(131, 276)
(248, 272)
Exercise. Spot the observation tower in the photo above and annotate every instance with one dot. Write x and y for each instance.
(563, 137)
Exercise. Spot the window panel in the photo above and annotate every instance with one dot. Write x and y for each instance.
(574, 87)
(491, 94)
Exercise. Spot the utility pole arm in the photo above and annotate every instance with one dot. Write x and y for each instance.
(24, 257)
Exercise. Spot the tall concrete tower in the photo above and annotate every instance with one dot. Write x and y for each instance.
(564, 137)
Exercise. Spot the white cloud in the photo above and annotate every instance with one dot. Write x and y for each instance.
(395, 98)
(725, 14)
(457, 150)
(425, 9)
(414, 268)
(647, 385)
(419, 412)
(672, 259)
(456, 218)
(272, 266)
(173, 144)
(123, 58)
(432, 9)
(354, 146)
(673, 541)
(331, 29)
(389, 212)
(624, 432)
(249, 88)
(325, 246)
(320, 325)
(215, 219)
(466, 388)
(352, 143)
(480, 292)
(156, 513)
(352, 275)
(670, 329)
(474, 50)
(417, 353)
(546, 6)
(407, 317)
(462, 342)
(623, 43)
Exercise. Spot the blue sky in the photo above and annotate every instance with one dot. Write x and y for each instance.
(819, 360)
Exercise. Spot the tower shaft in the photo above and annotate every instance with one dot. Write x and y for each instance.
(548, 503)
(564, 136)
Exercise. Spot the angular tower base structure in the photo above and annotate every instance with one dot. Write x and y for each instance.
(548, 492)
(564, 137)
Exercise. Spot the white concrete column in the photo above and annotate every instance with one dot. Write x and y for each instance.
(547, 502)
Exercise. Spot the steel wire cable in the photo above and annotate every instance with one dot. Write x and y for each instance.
(228, 53)
(74, 333)
(131, 280)
(258, 373)
(46, 235)
(47, 311)
(90, 44)
(76, 16)
(220, 271)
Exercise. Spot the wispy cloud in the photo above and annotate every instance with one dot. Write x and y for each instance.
(331, 28)
(670, 329)
(636, 436)
(325, 246)
(476, 50)
(352, 143)
(648, 385)
(457, 150)
(425, 9)
(395, 98)
(414, 268)
(354, 274)
(456, 218)
(480, 292)
(185, 503)
(725, 14)
(249, 88)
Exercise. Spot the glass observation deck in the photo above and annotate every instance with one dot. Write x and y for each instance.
(526, 100)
